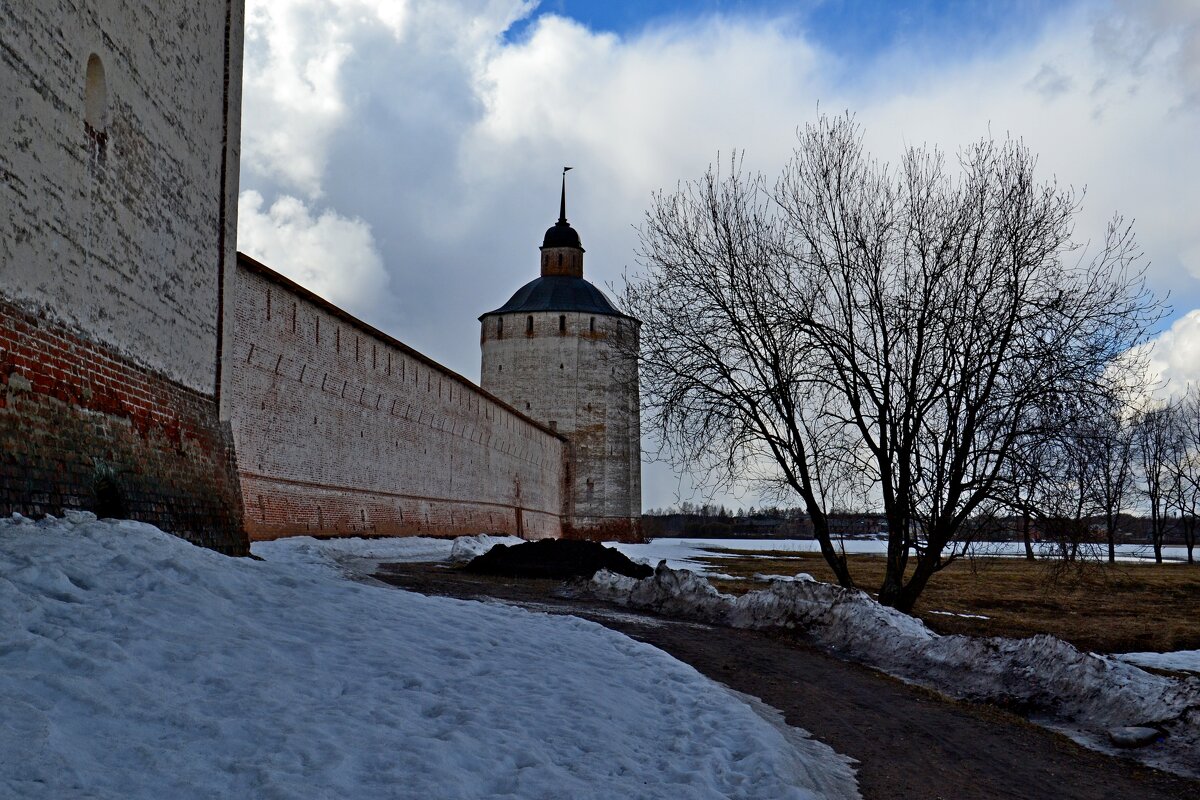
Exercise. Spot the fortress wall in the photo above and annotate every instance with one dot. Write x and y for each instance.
(83, 428)
(118, 184)
(342, 430)
(115, 229)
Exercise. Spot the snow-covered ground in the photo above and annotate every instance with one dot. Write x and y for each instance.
(683, 553)
(1095, 699)
(134, 665)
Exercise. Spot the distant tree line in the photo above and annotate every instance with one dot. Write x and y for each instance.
(1080, 485)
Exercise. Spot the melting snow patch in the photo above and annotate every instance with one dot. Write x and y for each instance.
(1179, 660)
(134, 665)
(799, 576)
(1082, 694)
(956, 614)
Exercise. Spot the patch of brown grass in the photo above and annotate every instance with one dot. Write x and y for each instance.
(1098, 607)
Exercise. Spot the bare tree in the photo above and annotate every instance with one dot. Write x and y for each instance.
(1106, 443)
(891, 334)
(1183, 466)
(1154, 439)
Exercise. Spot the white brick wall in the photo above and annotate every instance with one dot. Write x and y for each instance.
(123, 242)
(579, 381)
(384, 441)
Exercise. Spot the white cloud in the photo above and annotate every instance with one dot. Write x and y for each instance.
(328, 254)
(1174, 356)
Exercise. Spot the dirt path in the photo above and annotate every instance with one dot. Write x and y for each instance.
(910, 743)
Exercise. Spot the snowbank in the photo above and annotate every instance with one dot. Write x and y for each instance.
(1082, 694)
(134, 665)
(362, 557)
(1179, 660)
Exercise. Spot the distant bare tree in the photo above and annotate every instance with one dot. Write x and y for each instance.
(1154, 440)
(1183, 466)
(1106, 442)
(854, 329)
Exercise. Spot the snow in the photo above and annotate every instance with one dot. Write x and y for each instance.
(134, 665)
(363, 556)
(1179, 660)
(685, 553)
(1085, 695)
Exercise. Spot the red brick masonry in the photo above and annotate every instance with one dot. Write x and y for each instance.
(82, 427)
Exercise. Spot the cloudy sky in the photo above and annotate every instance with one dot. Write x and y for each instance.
(402, 157)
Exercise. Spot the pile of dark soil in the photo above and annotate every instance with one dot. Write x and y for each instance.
(555, 558)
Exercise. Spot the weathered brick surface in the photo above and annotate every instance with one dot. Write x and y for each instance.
(119, 122)
(116, 231)
(341, 429)
(74, 415)
(567, 370)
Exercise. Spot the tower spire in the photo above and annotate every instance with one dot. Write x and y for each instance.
(562, 205)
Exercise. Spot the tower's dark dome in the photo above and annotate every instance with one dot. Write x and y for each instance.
(561, 234)
(559, 293)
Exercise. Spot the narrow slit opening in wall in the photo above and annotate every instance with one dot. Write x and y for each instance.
(592, 325)
(562, 323)
(500, 328)
(529, 324)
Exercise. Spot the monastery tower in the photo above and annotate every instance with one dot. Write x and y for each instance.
(561, 352)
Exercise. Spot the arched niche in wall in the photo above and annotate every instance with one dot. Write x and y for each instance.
(95, 104)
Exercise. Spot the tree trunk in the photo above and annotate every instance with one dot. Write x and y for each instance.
(1027, 535)
(1112, 538)
(835, 560)
(1189, 536)
(897, 561)
(906, 598)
